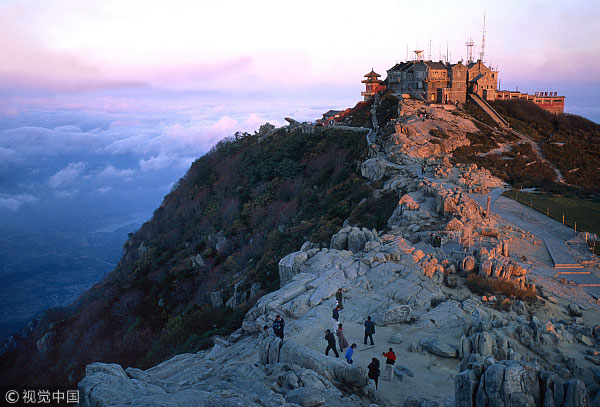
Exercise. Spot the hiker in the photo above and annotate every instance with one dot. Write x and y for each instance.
(341, 338)
(278, 326)
(390, 359)
(330, 344)
(336, 316)
(369, 330)
(374, 370)
(349, 353)
(338, 298)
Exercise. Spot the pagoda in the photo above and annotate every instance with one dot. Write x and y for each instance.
(373, 85)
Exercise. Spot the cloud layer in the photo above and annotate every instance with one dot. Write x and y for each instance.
(112, 147)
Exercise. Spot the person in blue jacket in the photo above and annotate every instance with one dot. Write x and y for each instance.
(349, 353)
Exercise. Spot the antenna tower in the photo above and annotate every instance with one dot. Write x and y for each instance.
(470, 44)
(482, 52)
(429, 55)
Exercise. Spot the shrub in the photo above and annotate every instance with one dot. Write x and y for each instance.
(487, 286)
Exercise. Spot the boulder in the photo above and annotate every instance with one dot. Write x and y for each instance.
(396, 314)
(465, 385)
(574, 310)
(356, 241)
(435, 347)
(408, 202)
(585, 340)
(454, 225)
(306, 397)
(339, 241)
(197, 261)
(396, 338)
(290, 265)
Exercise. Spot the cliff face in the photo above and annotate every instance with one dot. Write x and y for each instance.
(208, 253)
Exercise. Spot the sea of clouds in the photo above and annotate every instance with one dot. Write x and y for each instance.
(76, 165)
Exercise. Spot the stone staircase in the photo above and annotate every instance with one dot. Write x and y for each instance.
(489, 110)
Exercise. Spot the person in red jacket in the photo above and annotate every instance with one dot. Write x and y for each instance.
(390, 360)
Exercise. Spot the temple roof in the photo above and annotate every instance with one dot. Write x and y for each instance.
(372, 74)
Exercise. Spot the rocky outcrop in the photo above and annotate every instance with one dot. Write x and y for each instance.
(290, 265)
(221, 378)
(374, 169)
(354, 239)
(513, 383)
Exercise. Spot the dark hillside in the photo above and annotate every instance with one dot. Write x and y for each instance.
(215, 240)
(570, 142)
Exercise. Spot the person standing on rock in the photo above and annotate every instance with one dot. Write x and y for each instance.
(336, 317)
(339, 297)
(390, 360)
(369, 330)
(374, 371)
(330, 344)
(341, 338)
(349, 353)
(278, 326)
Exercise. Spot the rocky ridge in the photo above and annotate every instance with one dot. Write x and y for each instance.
(456, 347)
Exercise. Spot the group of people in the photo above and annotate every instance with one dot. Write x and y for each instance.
(374, 366)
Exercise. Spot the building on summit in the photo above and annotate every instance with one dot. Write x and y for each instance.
(442, 82)
(549, 101)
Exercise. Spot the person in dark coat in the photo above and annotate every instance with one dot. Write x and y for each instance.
(330, 344)
(374, 370)
(336, 317)
(339, 297)
(278, 326)
(369, 330)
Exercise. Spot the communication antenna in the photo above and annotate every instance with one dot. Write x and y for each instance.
(418, 54)
(429, 55)
(447, 55)
(482, 52)
(406, 52)
(470, 44)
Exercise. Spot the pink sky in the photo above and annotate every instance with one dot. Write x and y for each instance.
(189, 44)
(72, 45)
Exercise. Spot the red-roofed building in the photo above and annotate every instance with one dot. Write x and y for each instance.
(373, 85)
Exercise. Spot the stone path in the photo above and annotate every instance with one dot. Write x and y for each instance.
(553, 233)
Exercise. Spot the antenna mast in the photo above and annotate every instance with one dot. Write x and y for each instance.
(429, 55)
(470, 44)
(482, 52)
